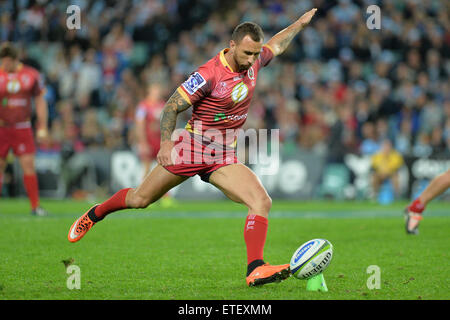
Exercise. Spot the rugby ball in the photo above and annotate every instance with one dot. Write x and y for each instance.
(311, 258)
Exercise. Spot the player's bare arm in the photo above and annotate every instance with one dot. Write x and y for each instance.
(42, 116)
(282, 39)
(172, 108)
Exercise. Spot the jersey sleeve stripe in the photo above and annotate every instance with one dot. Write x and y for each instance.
(270, 48)
(184, 95)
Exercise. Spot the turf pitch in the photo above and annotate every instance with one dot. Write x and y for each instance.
(195, 250)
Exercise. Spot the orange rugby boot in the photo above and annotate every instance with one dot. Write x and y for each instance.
(80, 227)
(267, 274)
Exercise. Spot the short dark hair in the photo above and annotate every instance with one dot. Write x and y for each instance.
(8, 50)
(247, 28)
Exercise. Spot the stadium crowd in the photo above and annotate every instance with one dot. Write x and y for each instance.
(339, 88)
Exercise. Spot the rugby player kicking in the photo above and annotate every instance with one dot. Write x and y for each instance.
(220, 92)
(19, 85)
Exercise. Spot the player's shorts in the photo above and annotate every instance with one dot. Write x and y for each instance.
(194, 156)
(20, 140)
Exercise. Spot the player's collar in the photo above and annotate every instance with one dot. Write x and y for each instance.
(224, 60)
(19, 66)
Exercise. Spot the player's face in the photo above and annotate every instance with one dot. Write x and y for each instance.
(8, 64)
(245, 52)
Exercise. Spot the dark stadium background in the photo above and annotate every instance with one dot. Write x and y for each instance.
(335, 94)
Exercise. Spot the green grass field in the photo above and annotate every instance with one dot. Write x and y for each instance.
(196, 251)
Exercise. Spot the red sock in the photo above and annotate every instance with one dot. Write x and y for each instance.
(115, 203)
(416, 206)
(255, 236)
(32, 188)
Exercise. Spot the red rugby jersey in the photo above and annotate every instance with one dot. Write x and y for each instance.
(16, 91)
(150, 112)
(221, 97)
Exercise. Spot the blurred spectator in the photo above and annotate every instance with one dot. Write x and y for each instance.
(345, 12)
(119, 39)
(422, 147)
(343, 135)
(89, 75)
(385, 165)
(369, 145)
(437, 141)
(404, 139)
(382, 130)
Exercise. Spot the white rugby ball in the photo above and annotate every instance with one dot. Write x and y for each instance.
(311, 258)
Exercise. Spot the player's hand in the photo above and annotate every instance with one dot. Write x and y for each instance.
(306, 18)
(42, 136)
(164, 156)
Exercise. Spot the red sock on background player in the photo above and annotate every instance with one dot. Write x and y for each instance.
(31, 186)
(416, 206)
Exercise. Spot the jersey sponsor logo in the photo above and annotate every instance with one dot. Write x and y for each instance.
(195, 82)
(220, 116)
(17, 102)
(239, 92)
(226, 118)
(13, 86)
(251, 74)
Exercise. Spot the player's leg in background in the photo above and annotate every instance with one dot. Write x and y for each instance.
(2, 170)
(30, 179)
(376, 182)
(24, 149)
(395, 179)
(241, 185)
(413, 212)
(436, 187)
(5, 145)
